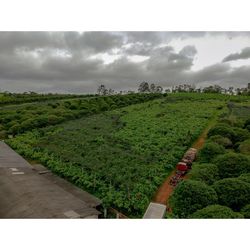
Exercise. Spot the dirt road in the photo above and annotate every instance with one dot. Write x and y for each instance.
(165, 190)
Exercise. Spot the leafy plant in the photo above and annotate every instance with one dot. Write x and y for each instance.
(216, 212)
(190, 196)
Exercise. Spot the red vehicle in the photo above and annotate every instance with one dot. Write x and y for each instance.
(183, 166)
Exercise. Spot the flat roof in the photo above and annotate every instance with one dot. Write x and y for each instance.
(34, 192)
(155, 211)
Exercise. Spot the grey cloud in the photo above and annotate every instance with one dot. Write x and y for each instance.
(140, 49)
(244, 54)
(152, 37)
(63, 62)
(189, 51)
(95, 41)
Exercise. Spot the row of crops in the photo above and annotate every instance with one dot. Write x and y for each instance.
(122, 155)
(20, 118)
(7, 98)
(219, 185)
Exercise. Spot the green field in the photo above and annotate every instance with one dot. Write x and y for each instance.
(16, 119)
(122, 156)
(7, 98)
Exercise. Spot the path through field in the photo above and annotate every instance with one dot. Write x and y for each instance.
(163, 193)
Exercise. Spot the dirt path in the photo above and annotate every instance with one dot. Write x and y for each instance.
(165, 190)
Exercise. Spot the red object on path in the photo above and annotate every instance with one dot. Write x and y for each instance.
(181, 166)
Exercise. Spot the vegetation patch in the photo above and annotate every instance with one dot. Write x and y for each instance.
(121, 156)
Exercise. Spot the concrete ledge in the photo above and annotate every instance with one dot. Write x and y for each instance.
(155, 211)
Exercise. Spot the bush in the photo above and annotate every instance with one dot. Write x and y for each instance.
(222, 129)
(240, 135)
(189, 196)
(53, 119)
(247, 123)
(246, 211)
(206, 172)
(248, 128)
(245, 177)
(232, 165)
(3, 134)
(233, 121)
(15, 129)
(216, 212)
(244, 147)
(223, 141)
(209, 151)
(233, 193)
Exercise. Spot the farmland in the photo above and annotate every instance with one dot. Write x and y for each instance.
(7, 98)
(222, 171)
(16, 119)
(122, 154)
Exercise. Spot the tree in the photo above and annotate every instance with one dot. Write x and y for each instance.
(216, 212)
(209, 151)
(205, 172)
(152, 88)
(144, 87)
(212, 89)
(232, 192)
(159, 89)
(223, 130)
(223, 141)
(232, 165)
(102, 90)
(246, 211)
(189, 196)
(245, 177)
(247, 124)
(240, 134)
(111, 91)
(244, 147)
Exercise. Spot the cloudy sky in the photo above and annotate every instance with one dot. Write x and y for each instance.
(77, 62)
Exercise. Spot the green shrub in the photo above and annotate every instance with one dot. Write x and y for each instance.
(244, 147)
(223, 141)
(223, 130)
(216, 212)
(209, 151)
(247, 123)
(3, 134)
(240, 134)
(246, 211)
(248, 127)
(245, 177)
(205, 172)
(232, 165)
(233, 193)
(190, 196)
(53, 119)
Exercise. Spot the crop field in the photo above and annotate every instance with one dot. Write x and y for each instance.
(122, 155)
(16, 119)
(14, 98)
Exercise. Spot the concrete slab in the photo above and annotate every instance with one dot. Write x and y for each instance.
(155, 211)
(32, 195)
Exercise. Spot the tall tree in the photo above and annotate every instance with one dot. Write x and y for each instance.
(144, 87)
(102, 90)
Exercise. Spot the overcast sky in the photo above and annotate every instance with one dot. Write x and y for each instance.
(77, 62)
